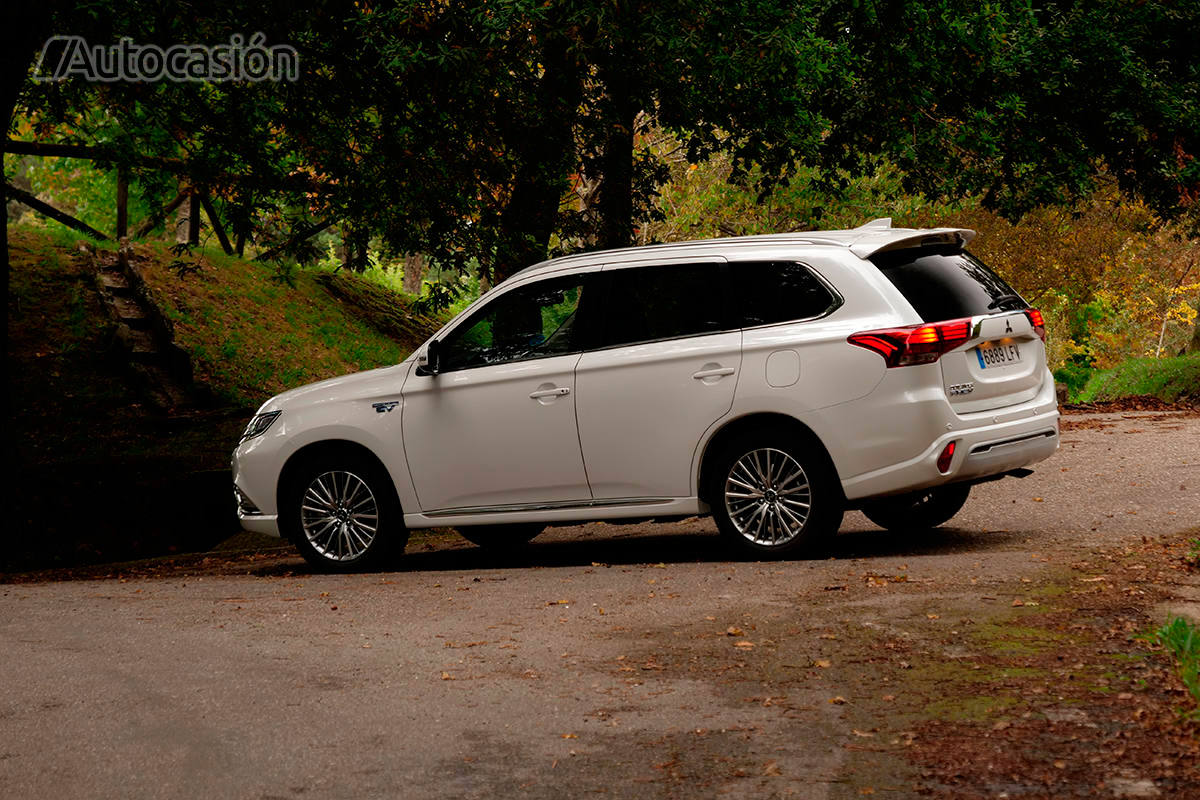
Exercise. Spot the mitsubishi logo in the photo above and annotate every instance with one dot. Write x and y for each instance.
(1008, 326)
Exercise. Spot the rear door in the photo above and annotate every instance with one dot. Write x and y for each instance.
(1003, 361)
(665, 370)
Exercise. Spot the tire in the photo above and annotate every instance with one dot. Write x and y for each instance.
(328, 510)
(501, 537)
(773, 495)
(918, 511)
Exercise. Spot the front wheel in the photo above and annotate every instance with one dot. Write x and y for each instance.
(342, 513)
(775, 495)
(919, 510)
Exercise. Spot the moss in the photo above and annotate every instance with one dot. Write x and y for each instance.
(1006, 638)
(970, 709)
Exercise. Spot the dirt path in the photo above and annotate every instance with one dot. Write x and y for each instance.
(997, 656)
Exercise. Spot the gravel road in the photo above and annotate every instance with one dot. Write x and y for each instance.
(603, 660)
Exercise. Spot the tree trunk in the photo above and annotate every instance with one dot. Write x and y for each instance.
(615, 204)
(182, 214)
(193, 230)
(414, 273)
(547, 155)
(1194, 345)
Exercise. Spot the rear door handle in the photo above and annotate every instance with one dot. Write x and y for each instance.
(719, 372)
(557, 391)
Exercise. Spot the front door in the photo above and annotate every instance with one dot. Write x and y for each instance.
(496, 425)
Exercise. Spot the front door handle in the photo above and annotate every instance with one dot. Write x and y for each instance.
(714, 372)
(557, 391)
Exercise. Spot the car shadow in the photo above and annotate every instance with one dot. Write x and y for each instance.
(589, 545)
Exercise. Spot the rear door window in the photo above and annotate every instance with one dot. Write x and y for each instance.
(669, 301)
(778, 291)
(947, 283)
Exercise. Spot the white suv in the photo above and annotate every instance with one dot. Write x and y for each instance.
(773, 381)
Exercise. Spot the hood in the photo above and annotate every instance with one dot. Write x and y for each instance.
(384, 383)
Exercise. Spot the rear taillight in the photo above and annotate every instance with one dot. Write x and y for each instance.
(914, 344)
(1036, 320)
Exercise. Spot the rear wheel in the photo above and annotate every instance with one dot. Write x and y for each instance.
(775, 495)
(342, 513)
(920, 510)
(499, 537)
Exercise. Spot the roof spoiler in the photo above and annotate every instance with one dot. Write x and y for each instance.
(879, 238)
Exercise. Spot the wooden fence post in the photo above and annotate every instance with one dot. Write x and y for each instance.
(122, 202)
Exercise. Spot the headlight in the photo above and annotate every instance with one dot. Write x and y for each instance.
(258, 426)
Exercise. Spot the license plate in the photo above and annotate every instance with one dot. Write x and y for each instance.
(999, 355)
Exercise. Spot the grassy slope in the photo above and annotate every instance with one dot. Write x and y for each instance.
(1170, 379)
(252, 335)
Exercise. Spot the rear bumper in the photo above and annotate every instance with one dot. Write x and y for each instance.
(1013, 438)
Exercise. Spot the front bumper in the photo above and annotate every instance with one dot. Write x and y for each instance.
(260, 523)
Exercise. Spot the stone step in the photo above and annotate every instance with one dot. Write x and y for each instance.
(114, 282)
(130, 312)
(140, 345)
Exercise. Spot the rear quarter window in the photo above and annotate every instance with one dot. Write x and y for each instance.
(947, 283)
(769, 292)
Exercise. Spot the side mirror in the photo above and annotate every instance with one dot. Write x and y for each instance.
(429, 361)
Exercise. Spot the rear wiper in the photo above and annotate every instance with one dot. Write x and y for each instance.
(1005, 298)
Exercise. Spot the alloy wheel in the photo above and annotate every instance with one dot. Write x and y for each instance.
(339, 515)
(768, 497)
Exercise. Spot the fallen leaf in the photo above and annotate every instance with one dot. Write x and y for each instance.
(447, 677)
(570, 736)
(933, 616)
(1018, 603)
(1038, 500)
(837, 701)
(864, 734)
(772, 768)
(823, 663)
(744, 644)
(732, 631)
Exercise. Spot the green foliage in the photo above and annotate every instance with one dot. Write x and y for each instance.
(1171, 379)
(1182, 638)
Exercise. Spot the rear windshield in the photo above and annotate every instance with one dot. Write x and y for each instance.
(947, 283)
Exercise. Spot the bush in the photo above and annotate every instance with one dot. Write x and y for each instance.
(1075, 376)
